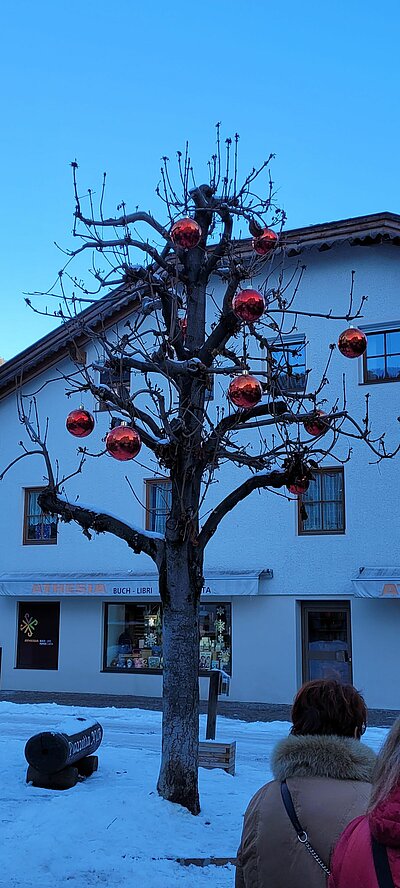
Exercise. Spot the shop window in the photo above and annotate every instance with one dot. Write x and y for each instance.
(287, 366)
(321, 508)
(158, 503)
(119, 381)
(37, 635)
(39, 528)
(381, 361)
(133, 637)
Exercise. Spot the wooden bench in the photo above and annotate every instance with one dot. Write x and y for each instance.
(217, 755)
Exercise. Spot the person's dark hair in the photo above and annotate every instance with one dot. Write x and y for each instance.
(325, 706)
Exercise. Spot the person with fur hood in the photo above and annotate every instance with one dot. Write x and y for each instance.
(322, 780)
(368, 853)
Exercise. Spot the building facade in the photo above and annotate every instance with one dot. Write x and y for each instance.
(286, 597)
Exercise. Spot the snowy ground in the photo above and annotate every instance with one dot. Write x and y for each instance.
(113, 829)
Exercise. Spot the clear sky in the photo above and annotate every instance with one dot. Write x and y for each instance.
(117, 85)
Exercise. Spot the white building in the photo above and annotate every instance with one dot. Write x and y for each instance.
(291, 599)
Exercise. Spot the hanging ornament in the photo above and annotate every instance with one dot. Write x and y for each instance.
(80, 423)
(298, 486)
(265, 242)
(123, 443)
(248, 305)
(186, 233)
(183, 326)
(245, 391)
(317, 426)
(352, 343)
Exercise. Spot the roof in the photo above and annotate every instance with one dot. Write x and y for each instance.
(359, 231)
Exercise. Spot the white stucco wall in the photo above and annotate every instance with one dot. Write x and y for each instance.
(261, 533)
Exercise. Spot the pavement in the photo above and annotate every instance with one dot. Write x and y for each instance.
(248, 712)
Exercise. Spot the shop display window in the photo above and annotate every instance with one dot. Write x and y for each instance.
(133, 637)
(38, 634)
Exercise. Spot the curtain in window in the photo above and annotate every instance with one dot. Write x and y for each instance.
(312, 502)
(39, 525)
(160, 506)
(332, 484)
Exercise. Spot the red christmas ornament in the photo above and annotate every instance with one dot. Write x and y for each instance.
(317, 426)
(80, 423)
(265, 243)
(183, 325)
(123, 442)
(248, 305)
(299, 486)
(245, 391)
(352, 343)
(186, 233)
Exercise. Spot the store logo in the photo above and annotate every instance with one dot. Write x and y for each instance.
(28, 625)
(390, 589)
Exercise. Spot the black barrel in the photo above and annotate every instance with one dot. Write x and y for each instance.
(49, 752)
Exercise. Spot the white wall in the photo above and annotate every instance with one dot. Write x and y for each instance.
(260, 533)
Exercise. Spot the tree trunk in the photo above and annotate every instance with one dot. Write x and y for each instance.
(178, 778)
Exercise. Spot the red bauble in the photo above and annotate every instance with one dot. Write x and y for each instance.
(245, 391)
(80, 423)
(352, 343)
(248, 305)
(299, 486)
(186, 233)
(317, 426)
(265, 243)
(183, 325)
(123, 442)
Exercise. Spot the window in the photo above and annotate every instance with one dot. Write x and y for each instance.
(323, 503)
(39, 528)
(287, 366)
(37, 635)
(133, 637)
(382, 357)
(118, 381)
(158, 503)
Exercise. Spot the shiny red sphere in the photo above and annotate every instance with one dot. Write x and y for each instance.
(245, 391)
(265, 243)
(123, 442)
(317, 426)
(352, 343)
(183, 325)
(80, 423)
(186, 233)
(248, 305)
(299, 486)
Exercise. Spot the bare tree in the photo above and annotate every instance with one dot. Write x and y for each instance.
(178, 355)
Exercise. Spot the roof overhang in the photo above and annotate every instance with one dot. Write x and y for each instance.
(377, 582)
(122, 586)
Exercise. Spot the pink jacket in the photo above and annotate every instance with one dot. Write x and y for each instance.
(352, 863)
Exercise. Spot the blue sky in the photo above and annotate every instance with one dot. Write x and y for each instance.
(119, 85)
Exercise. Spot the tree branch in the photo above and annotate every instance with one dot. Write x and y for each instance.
(275, 479)
(100, 522)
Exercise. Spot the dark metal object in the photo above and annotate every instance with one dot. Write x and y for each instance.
(49, 752)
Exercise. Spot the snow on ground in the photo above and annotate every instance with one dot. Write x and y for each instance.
(113, 829)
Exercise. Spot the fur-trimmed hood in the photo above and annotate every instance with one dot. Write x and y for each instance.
(308, 755)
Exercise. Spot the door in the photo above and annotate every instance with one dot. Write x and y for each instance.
(326, 640)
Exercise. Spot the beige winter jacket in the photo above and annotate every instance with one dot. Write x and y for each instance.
(329, 781)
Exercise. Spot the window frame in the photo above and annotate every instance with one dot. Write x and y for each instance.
(282, 345)
(322, 531)
(149, 483)
(117, 386)
(25, 539)
(381, 331)
(146, 670)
